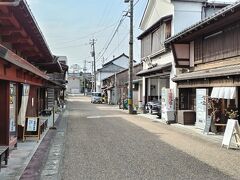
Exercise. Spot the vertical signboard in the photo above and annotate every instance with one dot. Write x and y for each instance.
(167, 102)
(12, 111)
(201, 108)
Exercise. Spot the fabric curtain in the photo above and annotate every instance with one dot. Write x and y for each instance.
(224, 92)
(24, 103)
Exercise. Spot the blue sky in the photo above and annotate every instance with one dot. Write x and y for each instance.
(69, 25)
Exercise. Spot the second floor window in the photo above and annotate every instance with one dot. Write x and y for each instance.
(154, 41)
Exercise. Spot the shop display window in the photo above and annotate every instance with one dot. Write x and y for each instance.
(187, 99)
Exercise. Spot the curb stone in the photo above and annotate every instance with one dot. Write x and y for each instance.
(53, 166)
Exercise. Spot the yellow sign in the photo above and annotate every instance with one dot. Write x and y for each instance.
(129, 101)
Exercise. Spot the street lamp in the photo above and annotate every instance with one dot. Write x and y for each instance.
(130, 70)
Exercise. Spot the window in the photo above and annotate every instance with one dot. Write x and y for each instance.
(154, 41)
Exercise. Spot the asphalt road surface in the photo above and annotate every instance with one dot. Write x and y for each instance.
(102, 144)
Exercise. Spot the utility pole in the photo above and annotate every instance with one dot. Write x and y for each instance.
(130, 70)
(92, 78)
(84, 73)
(92, 43)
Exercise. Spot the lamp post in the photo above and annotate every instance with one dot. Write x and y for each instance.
(130, 70)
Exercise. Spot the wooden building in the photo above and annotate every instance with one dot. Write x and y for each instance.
(116, 86)
(23, 78)
(208, 55)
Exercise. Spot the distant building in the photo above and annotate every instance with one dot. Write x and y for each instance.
(76, 82)
(114, 66)
(116, 86)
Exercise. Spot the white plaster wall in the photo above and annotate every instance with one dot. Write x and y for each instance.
(185, 14)
(122, 61)
(163, 59)
(173, 85)
(143, 90)
(155, 10)
(73, 85)
(105, 75)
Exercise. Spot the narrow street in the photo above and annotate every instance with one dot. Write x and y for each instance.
(101, 143)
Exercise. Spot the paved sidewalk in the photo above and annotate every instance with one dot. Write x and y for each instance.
(206, 148)
(52, 168)
(190, 129)
(20, 157)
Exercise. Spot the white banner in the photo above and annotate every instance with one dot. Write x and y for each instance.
(24, 103)
(201, 108)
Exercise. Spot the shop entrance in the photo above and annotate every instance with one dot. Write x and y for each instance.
(154, 86)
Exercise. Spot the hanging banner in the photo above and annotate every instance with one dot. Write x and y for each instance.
(24, 103)
(12, 108)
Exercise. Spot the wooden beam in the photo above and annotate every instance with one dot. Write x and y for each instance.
(4, 16)
(10, 17)
(30, 53)
(15, 38)
(9, 30)
(22, 46)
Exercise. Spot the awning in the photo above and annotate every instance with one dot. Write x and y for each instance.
(158, 69)
(209, 73)
(224, 92)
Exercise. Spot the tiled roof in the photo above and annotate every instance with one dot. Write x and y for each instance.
(209, 73)
(204, 22)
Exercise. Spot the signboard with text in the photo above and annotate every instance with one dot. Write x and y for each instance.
(201, 108)
(32, 127)
(232, 129)
(167, 102)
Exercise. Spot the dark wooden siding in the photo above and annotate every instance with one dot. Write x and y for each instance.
(219, 45)
(4, 111)
(154, 41)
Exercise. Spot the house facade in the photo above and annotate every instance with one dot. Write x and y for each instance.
(79, 82)
(116, 86)
(26, 63)
(114, 66)
(161, 20)
(208, 53)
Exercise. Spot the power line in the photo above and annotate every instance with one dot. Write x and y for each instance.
(63, 47)
(116, 30)
(90, 34)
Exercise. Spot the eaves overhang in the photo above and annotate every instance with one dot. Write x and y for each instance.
(14, 59)
(154, 26)
(208, 25)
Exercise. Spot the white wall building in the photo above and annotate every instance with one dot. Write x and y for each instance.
(114, 66)
(162, 19)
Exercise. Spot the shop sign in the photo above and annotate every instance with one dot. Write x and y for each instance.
(32, 124)
(207, 125)
(12, 124)
(232, 129)
(167, 102)
(201, 108)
